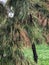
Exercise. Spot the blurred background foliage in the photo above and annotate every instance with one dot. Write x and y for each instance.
(10, 46)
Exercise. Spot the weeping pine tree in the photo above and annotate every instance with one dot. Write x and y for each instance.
(12, 15)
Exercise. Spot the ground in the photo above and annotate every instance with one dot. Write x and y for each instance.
(43, 54)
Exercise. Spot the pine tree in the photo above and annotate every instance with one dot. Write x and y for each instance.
(11, 16)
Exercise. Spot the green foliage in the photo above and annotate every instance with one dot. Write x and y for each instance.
(29, 30)
(10, 50)
(2, 14)
(20, 7)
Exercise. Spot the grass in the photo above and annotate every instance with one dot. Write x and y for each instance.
(42, 51)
